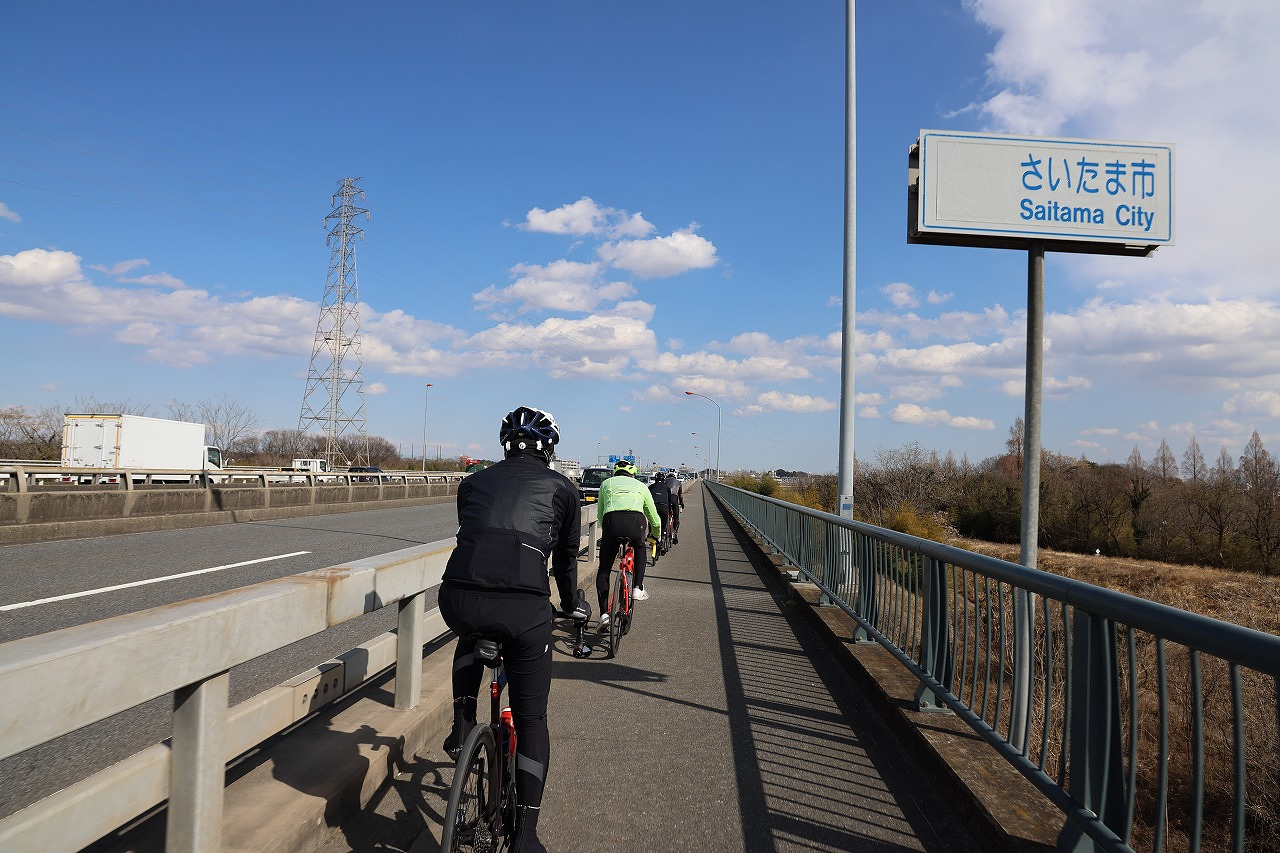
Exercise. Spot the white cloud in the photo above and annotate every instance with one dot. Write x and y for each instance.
(559, 286)
(375, 389)
(1181, 71)
(715, 365)
(1259, 403)
(776, 401)
(121, 267)
(661, 257)
(8, 213)
(901, 295)
(160, 279)
(909, 413)
(583, 218)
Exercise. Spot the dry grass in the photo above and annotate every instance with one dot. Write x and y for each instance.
(1249, 600)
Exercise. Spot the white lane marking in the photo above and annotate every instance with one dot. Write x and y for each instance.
(145, 582)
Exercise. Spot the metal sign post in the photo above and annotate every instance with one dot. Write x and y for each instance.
(1064, 195)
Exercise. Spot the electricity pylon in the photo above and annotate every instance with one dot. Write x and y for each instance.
(334, 398)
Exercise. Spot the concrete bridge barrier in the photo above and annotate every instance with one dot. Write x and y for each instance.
(46, 503)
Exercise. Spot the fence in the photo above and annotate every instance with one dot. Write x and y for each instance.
(79, 675)
(1148, 726)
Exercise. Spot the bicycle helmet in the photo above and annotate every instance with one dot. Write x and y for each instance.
(529, 429)
(624, 467)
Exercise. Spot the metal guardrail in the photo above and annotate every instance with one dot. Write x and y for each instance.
(27, 477)
(187, 650)
(1148, 726)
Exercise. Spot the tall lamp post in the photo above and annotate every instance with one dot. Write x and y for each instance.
(717, 405)
(708, 456)
(425, 392)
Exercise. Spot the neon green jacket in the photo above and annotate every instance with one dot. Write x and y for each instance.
(620, 492)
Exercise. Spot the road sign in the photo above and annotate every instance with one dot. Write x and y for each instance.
(1080, 195)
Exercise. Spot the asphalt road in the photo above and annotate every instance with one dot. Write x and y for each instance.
(206, 560)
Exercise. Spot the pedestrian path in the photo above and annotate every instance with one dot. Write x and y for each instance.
(725, 725)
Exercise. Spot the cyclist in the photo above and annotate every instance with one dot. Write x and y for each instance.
(677, 504)
(512, 518)
(662, 502)
(626, 510)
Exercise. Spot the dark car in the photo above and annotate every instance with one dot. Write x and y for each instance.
(366, 470)
(589, 489)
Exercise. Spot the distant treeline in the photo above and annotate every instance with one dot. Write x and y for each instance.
(1224, 514)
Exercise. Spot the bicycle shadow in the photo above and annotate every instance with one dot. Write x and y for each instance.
(416, 797)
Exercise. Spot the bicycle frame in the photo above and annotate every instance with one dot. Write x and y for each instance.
(620, 598)
(497, 807)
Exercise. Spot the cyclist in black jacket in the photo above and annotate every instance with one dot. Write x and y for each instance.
(512, 518)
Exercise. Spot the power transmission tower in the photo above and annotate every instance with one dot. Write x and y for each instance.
(334, 398)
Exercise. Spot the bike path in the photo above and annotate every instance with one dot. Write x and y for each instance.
(725, 724)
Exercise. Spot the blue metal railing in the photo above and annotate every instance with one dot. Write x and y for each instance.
(1148, 726)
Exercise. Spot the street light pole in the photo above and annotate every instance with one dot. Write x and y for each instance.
(717, 405)
(708, 438)
(425, 392)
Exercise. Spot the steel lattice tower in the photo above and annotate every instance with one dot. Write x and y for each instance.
(334, 398)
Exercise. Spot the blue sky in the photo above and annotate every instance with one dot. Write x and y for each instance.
(594, 207)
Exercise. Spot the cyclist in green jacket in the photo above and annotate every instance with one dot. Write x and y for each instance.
(626, 509)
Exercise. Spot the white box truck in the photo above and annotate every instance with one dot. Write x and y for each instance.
(133, 441)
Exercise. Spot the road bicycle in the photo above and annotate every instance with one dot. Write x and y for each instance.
(481, 810)
(668, 534)
(620, 598)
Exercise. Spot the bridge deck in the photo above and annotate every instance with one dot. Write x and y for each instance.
(725, 724)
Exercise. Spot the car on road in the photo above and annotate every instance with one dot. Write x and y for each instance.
(589, 487)
(371, 473)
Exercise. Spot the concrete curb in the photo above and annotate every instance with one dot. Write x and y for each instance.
(1001, 808)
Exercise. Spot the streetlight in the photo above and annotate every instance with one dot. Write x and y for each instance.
(708, 456)
(425, 392)
(717, 405)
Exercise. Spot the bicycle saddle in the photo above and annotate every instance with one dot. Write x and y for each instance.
(488, 651)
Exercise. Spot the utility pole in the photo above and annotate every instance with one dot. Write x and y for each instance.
(334, 396)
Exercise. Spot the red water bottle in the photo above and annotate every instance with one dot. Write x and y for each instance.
(508, 731)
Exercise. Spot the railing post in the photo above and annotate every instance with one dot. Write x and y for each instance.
(862, 551)
(1024, 632)
(410, 633)
(198, 766)
(937, 657)
(1096, 776)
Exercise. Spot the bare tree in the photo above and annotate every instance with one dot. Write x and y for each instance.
(226, 422)
(1164, 465)
(1260, 478)
(1139, 494)
(91, 405)
(181, 410)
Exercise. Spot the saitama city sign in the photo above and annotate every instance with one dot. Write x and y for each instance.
(1078, 195)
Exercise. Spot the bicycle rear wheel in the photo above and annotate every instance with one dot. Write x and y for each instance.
(473, 797)
(617, 610)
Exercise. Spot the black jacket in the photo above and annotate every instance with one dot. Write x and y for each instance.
(512, 518)
(661, 498)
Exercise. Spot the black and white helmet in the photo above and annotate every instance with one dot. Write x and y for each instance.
(529, 429)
